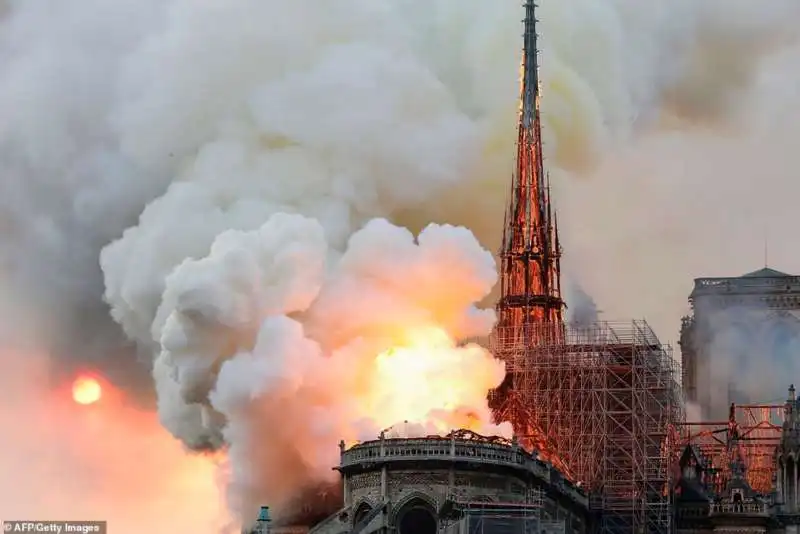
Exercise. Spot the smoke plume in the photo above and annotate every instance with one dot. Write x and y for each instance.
(277, 343)
(109, 461)
(582, 310)
(751, 357)
(230, 162)
(694, 203)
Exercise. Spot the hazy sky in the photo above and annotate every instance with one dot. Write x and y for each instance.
(675, 206)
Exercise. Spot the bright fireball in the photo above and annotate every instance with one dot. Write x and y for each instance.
(86, 390)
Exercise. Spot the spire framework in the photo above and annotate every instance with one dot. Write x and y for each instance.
(530, 308)
(531, 252)
(597, 401)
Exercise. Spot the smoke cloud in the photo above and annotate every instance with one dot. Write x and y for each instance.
(750, 342)
(281, 346)
(582, 310)
(109, 461)
(693, 203)
(174, 135)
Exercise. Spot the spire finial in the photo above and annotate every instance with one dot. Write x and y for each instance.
(530, 79)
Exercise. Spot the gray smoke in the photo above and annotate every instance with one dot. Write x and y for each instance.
(751, 357)
(104, 102)
(582, 309)
(159, 125)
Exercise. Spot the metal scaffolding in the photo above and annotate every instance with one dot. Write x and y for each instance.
(752, 431)
(489, 517)
(601, 403)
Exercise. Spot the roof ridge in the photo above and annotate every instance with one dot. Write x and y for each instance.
(766, 272)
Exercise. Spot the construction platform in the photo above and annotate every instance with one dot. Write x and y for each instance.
(601, 402)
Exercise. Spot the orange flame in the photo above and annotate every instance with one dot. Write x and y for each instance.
(422, 380)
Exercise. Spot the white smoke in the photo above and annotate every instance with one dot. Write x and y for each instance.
(694, 413)
(582, 309)
(749, 357)
(272, 342)
(218, 117)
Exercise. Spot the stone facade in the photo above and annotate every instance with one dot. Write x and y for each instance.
(749, 323)
(451, 484)
(737, 509)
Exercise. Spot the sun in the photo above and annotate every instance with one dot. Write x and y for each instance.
(86, 390)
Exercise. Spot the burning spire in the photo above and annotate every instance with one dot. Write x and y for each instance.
(530, 309)
(530, 255)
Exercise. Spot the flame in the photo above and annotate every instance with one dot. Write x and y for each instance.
(86, 390)
(428, 380)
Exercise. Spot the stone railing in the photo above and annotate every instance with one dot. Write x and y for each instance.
(486, 451)
(399, 450)
(750, 508)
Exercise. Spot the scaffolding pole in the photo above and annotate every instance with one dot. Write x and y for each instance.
(600, 402)
(757, 430)
(519, 516)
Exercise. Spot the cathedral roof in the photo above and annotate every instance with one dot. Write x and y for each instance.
(766, 272)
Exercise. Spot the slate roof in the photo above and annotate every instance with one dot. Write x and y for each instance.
(766, 272)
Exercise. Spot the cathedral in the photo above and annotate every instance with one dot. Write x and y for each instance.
(733, 318)
(707, 501)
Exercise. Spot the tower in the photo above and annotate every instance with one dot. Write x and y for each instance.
(530, 308)
(597, 401)
(263, 523)
(788, 472)
(530, 254)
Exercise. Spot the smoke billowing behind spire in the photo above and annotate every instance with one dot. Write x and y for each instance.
(181, 120)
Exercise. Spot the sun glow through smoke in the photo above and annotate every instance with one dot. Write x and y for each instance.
(86, 390)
